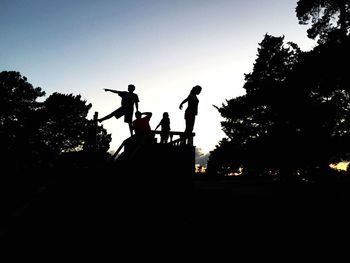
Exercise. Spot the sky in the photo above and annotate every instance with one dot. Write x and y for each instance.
(163, 47)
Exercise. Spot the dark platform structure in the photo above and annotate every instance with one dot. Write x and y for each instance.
(177, 156)
(157, 173)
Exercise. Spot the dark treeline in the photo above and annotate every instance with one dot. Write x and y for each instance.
(46, 148)
(294, 118)
(35, 135)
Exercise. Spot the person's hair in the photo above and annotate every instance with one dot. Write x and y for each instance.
(165, 115)
(138, 114)
(196, 89)
(131, 87)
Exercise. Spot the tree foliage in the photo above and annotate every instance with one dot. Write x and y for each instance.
(63, 122)
(330, 19)
(18, 105)
(295, 114)
(34, 134)
(255, 121)
(320, 85)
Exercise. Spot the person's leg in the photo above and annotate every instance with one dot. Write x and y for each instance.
(106, 117)
(117, 113)
(189, 126)
(128, 119)
(188, 131)
(165, 137)
(130, 128)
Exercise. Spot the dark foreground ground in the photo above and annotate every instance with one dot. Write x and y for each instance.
(104, 208)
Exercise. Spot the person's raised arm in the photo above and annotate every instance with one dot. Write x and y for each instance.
(148, 114)
(158, 125)
(184, 101)
(112, 90)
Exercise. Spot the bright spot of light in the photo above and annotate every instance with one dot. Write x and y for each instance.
(341, 166)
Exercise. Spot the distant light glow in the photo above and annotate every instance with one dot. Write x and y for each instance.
(341, 166)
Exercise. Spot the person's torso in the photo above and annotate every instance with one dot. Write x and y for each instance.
(141, 126)
(165, 124)
(192, 104)
(129, 99)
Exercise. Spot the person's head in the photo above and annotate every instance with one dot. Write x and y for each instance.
(165, 115)
(196, 89)
(138, 115)
(131, 88)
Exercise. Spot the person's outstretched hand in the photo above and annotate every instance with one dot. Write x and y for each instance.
(180, 107)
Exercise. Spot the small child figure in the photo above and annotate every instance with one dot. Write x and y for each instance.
(165, 128)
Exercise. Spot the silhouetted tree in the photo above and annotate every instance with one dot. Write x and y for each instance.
(320, 85)
(255, 122)
(33, 134)
(65, 128)
(18, 105)
(226, 158)
(330, 19)
(63, 122)
(97, 138)
(294, 117)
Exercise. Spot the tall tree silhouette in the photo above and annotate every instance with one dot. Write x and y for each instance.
(18, 104)
(329, 18)
(294, 117)
(256, 122)
(320, 85)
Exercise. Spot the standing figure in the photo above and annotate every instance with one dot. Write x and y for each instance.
(165, 128)
(192, 109)
(129, 99)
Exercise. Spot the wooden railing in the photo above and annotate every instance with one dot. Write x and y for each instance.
(175, 138)
(180, 141)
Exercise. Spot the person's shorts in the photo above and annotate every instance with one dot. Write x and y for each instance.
(123, 112)
(119, 112)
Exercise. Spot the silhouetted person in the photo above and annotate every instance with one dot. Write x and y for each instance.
(165, 128)
(129, 99)
(192, 109)
(141, 126)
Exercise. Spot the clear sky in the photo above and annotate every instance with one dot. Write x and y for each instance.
(163, 47)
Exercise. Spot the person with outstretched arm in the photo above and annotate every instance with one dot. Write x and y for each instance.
(129, 101)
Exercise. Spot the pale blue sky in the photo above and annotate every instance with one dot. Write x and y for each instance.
(163, 47)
